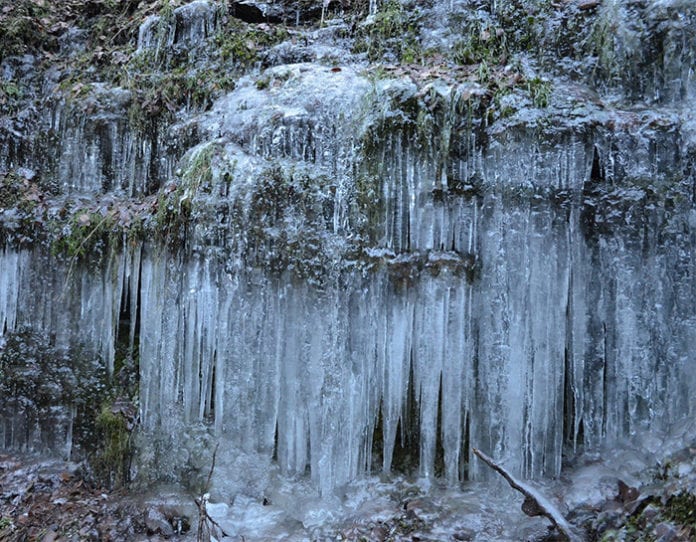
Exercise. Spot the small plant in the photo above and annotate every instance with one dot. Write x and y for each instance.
(21, 29)
(206, 525)
(86, 232)
(175, 202)
(482, 43)
(263, 83)
(9, 90)
(483, 72)
(540, 91)
(6, 528)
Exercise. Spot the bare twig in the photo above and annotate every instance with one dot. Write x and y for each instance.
(535, 504)
(212, 468)
(205, 522)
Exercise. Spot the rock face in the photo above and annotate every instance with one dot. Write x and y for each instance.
(341, 266)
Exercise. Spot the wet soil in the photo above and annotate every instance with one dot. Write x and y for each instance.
(55, 501)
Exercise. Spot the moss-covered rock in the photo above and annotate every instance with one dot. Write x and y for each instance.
(112, 458)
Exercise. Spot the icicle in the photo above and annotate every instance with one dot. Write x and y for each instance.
(11, 268)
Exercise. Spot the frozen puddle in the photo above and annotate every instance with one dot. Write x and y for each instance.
(374, 510)
(401, 508)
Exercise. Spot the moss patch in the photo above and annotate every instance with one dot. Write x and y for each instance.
(288, 219)
(681, 509)
(392, 34)
(111, 461)
(21, 29)
(243, 43)
(86, 233)
(482, 43)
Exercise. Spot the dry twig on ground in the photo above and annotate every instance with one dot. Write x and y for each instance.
(535, 504)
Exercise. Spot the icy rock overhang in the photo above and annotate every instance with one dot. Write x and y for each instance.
(535, 344)
(280, 111)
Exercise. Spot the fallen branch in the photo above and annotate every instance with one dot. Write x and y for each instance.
(535, 504)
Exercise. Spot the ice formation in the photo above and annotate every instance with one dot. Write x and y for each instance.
(361, 281)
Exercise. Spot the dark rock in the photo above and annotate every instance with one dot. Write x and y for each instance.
(257, 12)
(666, 532)
(650, 512)
(464, 534)
(586, 5)
(157, 523)
(609, 519)
(73, 41)
(531, 508)
(296, 13)
(627, 493)
(379, 533)
(420, 508)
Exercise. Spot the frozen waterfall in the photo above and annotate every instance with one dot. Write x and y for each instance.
(373, 278)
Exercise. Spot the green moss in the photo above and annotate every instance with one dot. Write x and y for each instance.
(523, 22)
(243, 43)
(10, 93)
(483, 72)
(162, 80)
(602, 42)
(11, 190)
(112, 458)
(289, 216)
(199, 171)
(368, 197)
(175, 203)
(86, 234)
(392, 32)
(29, 26)
(681, 508)
(263, 83)
(159, 95)
(7, 527)
(21, 29)
(482, 43)
(502, 108)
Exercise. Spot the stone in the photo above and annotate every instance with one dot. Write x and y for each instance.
(666, 532)
(586, 5)
(157, 523)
